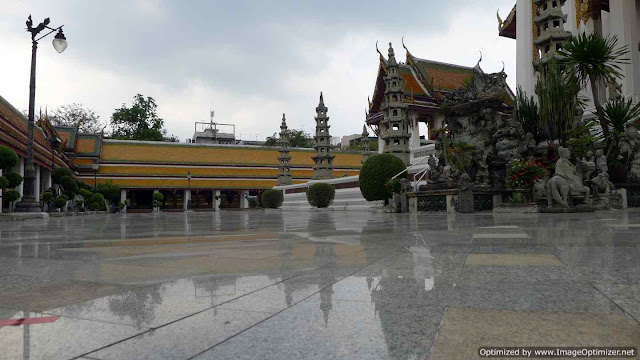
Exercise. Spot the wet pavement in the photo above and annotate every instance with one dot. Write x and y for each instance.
(316, 285)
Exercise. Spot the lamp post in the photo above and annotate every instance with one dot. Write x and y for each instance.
(29, 203)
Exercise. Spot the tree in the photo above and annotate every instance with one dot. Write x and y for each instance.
(139, 122)
(297, 139)
(594, 59)
(76, 115)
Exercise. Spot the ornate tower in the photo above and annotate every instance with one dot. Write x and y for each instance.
(284, 159)
(323, 167)
(365, 144)
(395, 130)
(550, 21)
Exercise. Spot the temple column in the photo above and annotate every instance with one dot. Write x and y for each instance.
(36, 188)
(21, 172)
(186, 199)
(414, 131)
(623, 22)
(123, 199)
(216, 202)
(244, 203)
(1, 194)
(525, 76)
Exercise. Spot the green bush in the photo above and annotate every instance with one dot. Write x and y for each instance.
(97, 198)
(8, 158)
(4, 182)
(47, 197)
(272, 199)
(70, 195)
(121, 205)
(109, 191)
(320, 195)
(86, 194)
(69, 184)
(61, 201)
(376, 172)
(14, 179)
(11, 195)
(96, 206)
(58, 173)
(158, 196)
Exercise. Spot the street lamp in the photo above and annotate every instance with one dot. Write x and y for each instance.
(95, 168)
(29, 202)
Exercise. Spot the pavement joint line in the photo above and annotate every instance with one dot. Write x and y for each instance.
(285, 309)
(435, 338)
(615, 303)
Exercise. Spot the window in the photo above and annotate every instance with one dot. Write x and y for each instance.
(393, 84)
(546, 26)
(556, 23)
(546, 49)
(395, 112)
(396, 127)
(558, 47)
(544, 7)
(396, 142)
(554, 4)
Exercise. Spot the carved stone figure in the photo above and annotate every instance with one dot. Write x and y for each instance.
(566, 182)
(252, 200)
(480, 162)
(630, 149)
(465, 195)
(601, 184)
(601, 162)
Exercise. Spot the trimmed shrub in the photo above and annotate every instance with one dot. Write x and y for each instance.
(158, 196)
(86, 194)
(376, 172)
(96, 206)
(58, 173)
(4, 182)
(47, 197)
(60, 202)
(109, 191)
(272, 199)
(97, 198)
(320, 195)
(11, 195)
(14, 179)
(69, 184)
(70, 195)
(8, 158)
(121, 205)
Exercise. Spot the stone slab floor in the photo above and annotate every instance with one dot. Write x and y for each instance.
(316, 285)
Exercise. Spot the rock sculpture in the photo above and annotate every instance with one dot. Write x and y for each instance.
(465, 195)
(601, 162)
(480, 163)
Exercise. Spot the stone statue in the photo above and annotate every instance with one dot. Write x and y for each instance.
(530, 145)
(252, 200)
(465, 195)
(480, 162)
(405, 186)
(601, 162)
(565, 182)
(590, 165)
(601, 184)
(630, 148)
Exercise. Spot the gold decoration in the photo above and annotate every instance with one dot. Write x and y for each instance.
(535, 31)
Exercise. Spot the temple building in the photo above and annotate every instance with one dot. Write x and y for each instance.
(418, 86)
(323, 159)
(540, 26)
(210, 175)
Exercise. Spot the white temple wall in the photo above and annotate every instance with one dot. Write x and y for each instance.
(525, 77)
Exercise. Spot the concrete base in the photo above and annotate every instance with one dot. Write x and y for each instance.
(28, 207)
(23, 216)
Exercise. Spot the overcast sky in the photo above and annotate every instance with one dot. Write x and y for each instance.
(254, 59)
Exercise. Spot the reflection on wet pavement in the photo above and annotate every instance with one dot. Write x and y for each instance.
(278, 285)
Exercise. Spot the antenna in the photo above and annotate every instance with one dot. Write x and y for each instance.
(211, 112)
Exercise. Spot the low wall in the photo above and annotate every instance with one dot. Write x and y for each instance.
(348, 196)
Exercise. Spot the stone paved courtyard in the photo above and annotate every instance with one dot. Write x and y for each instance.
(316, 285)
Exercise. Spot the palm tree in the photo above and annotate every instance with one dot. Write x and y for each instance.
(618, 114)
(592, 58)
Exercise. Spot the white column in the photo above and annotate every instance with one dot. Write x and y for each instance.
(154, 209)
(21, 172)
(380, 144)
(524, 47)
(47, 182)
(623, 22)
(123, 198)
(186, 198)
(414, 131)
(216, 202)
(244, 203)
(37, 182)
(1, 194)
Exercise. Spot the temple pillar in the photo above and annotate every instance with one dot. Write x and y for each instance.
(414, 130)
(525, 76)
(21, 172)
(123, 199)
(186, 199)
(244, 203)
(216, 201)
(36, 189)
(623, 22)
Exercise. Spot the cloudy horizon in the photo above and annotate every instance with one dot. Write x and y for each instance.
(254, 60)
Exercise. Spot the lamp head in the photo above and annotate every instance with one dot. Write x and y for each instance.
(60, 42)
